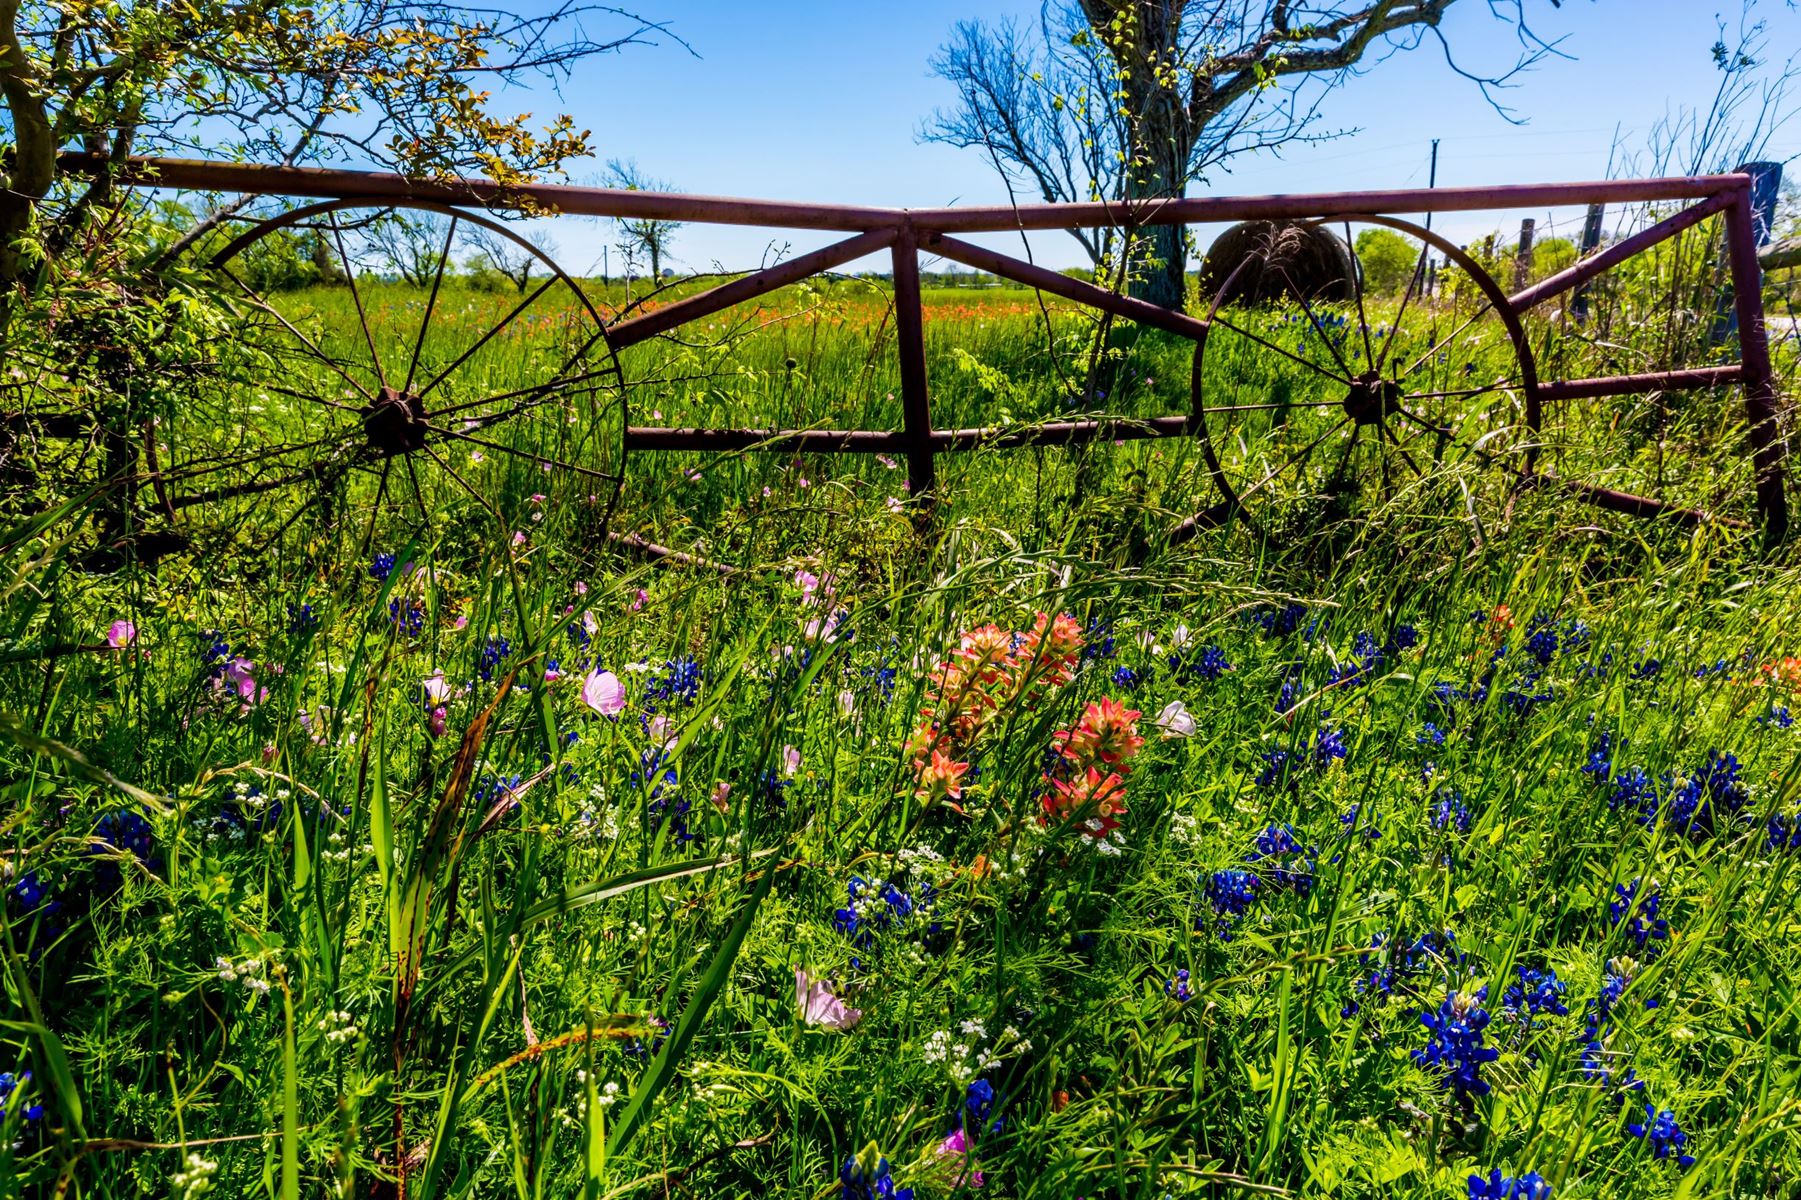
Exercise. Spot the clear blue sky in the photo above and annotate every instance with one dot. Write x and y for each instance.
(817, 100)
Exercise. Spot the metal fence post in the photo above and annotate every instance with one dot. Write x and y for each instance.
(1767, 448)
(916, 405)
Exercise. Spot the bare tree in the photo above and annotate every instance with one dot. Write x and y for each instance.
(508, 258)
(411, 243)
(652, 237)
(1135, 99)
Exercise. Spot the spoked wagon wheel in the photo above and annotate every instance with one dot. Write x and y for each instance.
(365, 402)
(1315, 409)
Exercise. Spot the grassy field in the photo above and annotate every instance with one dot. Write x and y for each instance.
(415, 842)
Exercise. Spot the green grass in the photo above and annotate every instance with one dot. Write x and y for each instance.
(486, 959)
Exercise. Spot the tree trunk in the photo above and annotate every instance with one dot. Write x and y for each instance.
(656, 259)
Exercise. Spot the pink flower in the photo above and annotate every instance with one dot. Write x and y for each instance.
(603, 693)
(721, 791)
(819, 1007)
(518, 537)
(121, 634)
(639, 600)
(954, 1152)
(435, 722)
(790, 760)
(240, 677)
(436, 688)
(808, 583)
(581, 587)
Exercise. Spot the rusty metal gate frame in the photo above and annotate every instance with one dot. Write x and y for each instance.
(906, 233)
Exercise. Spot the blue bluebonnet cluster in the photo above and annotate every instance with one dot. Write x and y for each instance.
(1283, 861)
(407, 616)
(217, 655)
(1098, 641)
(1394, 967)
(1454, 1048)
(1206, 664)
(126, 831)
(1278, 621)
(1431, 734)
(1777, 718)
(30, 903)
(1529, 1186)
(1353, 821)
(873, 908)
(1597, 1060)
(1704, 802)
(1127, 678)
(1599, 765)
(494, 652)
(1368, 655)
(1176, 986)
(1665, 1136)
(381, 566)
(1283, 767)
(1534, 993)
(1645, 669)
(676, 686)
(1648, 931)
(1449, 810)
(9, 1085)
(639, 1049)
(490, 790)
(981, 1109)
(1784, 830)
(301, 619)
(1230, 893)
(657, 777)
(876, 1183)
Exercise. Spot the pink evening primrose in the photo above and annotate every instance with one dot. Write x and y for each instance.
(953, 1151)
(790, 760)
(603, 693)
(121, 634)
(819, 1007)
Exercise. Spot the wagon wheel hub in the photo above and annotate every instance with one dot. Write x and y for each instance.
(1371, 398)
(394, 422)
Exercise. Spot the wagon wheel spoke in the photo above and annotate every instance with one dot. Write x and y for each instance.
(295, 333)
(1363, 320)
(356, 296)
(609, 371)
(1299, 456)
(522, 455)
(1267, 344)
(485, 338)
(431, 304)
(1401, 450)
(464, 484)
(1300, 294)
(1438, 344)
(1394, 332)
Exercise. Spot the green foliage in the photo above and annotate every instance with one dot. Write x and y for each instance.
(1389, 260)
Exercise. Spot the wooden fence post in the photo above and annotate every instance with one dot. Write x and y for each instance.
(916, 405)
(1591, 241)
(1522, 258)
(1767, 450)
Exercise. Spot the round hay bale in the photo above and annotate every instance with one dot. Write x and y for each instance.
(1276, 260)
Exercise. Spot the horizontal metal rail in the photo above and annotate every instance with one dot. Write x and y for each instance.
(908, 233)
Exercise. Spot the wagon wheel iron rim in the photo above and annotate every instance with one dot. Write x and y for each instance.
(1378, 398)
(407, 413)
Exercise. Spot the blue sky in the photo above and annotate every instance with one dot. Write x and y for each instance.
(824, 101)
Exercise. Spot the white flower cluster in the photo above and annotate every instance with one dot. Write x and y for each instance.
(575, 1117)
(249, 973)
(962, 1054)
(338, 1027)
(339, 851)
(1108, 844)
(1185, 830)
(195, 1178)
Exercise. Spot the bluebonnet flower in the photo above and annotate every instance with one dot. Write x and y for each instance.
(677, 686)
(1599, 765)
(871, 909)
(1328, 746)
(494, 651)
(1430, 734)
(1521, 698)
(1454, 1048)
(126, 831)
(1777, 718)
(218, 653)
(637, 1048)
(578, 634)
(1290, 693)
(884, 677)
(1280, 622)
(381, 566)
(1645, 668)
(1275, 767)
(876, 1184)
(1633, 788)
(1784, 830)
(979, 1105)
(774, 791)
(490, 790)
(1283, 861)
(1535, 993)
(1231, 893)
(1393, 967)
(1209, 663)
(408, 617)
(9, 1085)
(1404, 637)
(1659, 1128)
(1598, 1065)
(1176, 986)
(1125, 677)
(301, 619)
(1098, 641)
(1648, 931)
(1349, 819)
(1541, 639)
(1450, 811)
(1530, 1186)
(657, 777)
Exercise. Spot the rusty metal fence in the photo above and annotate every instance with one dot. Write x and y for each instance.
(907, 234)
